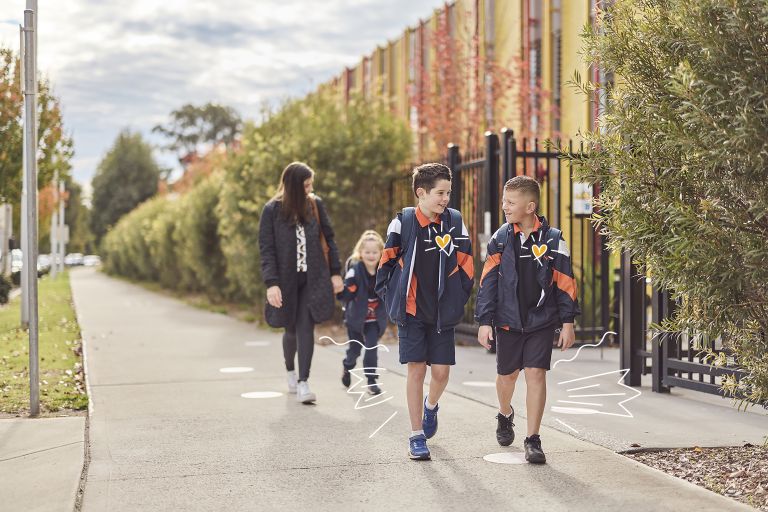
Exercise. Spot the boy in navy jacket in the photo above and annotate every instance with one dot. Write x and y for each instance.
(527, 293)
(425, 278)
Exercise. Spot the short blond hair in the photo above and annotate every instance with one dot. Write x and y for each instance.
(368, 236)
(526, 185)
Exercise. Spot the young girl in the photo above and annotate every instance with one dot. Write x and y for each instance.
(364, 316)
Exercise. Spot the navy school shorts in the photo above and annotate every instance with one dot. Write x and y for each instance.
(515, 351)
(421, 343)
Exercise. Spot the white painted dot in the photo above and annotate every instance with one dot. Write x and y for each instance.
(261, 394)
(506, 458)
(257, 343)
(236, 369)
(480, 384)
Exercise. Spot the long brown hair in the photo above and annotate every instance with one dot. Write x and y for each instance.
(291, 192)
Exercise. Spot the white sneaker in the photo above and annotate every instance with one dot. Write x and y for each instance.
(303, 394)
(292, 382)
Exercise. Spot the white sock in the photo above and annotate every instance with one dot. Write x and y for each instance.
(429, 404)
(506, 415)
(417, 433)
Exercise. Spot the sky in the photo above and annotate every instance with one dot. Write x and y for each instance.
(129, 63)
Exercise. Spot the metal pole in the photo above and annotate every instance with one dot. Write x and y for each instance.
(24, 284)
(30, 256)
(492, 174)
(55, 226)
(62, 235)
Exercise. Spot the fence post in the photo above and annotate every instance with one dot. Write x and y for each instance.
(660, 343)
(506, 136)
(453, 164)
(512, 170)
(631, 339)
(605, 283)
(492, 174)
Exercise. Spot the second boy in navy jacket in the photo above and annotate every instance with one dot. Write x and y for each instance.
(527, 293)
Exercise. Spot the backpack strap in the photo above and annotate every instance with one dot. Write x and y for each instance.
(553, 239)
(502, 232)
(348, 264)
(407, 226)
(455, 218)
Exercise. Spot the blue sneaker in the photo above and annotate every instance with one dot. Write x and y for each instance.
(429, 422)
(417, 448)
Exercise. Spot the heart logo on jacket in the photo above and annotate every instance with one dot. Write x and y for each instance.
(443, 242)
(539, 250)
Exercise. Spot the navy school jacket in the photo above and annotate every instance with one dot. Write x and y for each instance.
(396, 284)
(497, 302)
(355, 300)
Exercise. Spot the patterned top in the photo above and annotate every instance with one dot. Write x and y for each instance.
(301, 248)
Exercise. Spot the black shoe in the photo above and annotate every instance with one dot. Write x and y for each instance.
(345, 378)
(533, 452)
(374, 388)
(505, 435)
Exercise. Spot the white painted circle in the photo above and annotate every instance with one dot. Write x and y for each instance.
(256, 343)
(506, 458)
(480, 384)
(236, 369)
(261, 394)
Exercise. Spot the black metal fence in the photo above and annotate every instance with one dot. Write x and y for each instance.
(672, 359)
(478, 181)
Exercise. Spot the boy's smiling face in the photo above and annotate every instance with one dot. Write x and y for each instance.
(436, 200)
(517, 206)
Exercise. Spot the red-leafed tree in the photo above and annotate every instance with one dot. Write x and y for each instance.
(459, 87)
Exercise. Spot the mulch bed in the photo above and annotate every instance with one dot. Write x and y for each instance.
(739, 472)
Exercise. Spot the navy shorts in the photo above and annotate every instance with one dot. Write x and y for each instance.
(515, 350)
(421, 343)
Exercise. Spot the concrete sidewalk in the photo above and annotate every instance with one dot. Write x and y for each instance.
(682, 418)
(41, 461)
(169, 431)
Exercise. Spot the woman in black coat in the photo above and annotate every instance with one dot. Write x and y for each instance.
(301, 269)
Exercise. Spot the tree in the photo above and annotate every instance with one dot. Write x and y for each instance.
(355, 148)
(54, 146)
(681, 157)
(77, 217)
(459, 84)
(126, 177)
(192, 127)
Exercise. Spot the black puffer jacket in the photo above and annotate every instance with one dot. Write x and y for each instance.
(277, 244)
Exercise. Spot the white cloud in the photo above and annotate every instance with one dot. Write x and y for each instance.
(130, 62)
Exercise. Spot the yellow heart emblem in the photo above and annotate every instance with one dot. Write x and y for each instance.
(539, 250)
(443, 241)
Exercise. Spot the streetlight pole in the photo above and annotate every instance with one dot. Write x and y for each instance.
(30, 176)
(63, 234)
(55, 226)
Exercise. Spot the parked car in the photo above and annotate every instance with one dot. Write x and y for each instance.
(43, 262)
(73, 259)
(17, 260)
(92, 260)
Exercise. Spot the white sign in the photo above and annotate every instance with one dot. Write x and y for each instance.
(582, 198)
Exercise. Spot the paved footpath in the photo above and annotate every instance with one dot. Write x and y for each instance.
(169, 431)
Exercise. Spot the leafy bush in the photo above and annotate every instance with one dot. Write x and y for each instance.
(682, 163)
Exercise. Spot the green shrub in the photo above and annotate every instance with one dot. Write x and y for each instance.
(202, 266)
(682, 163)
